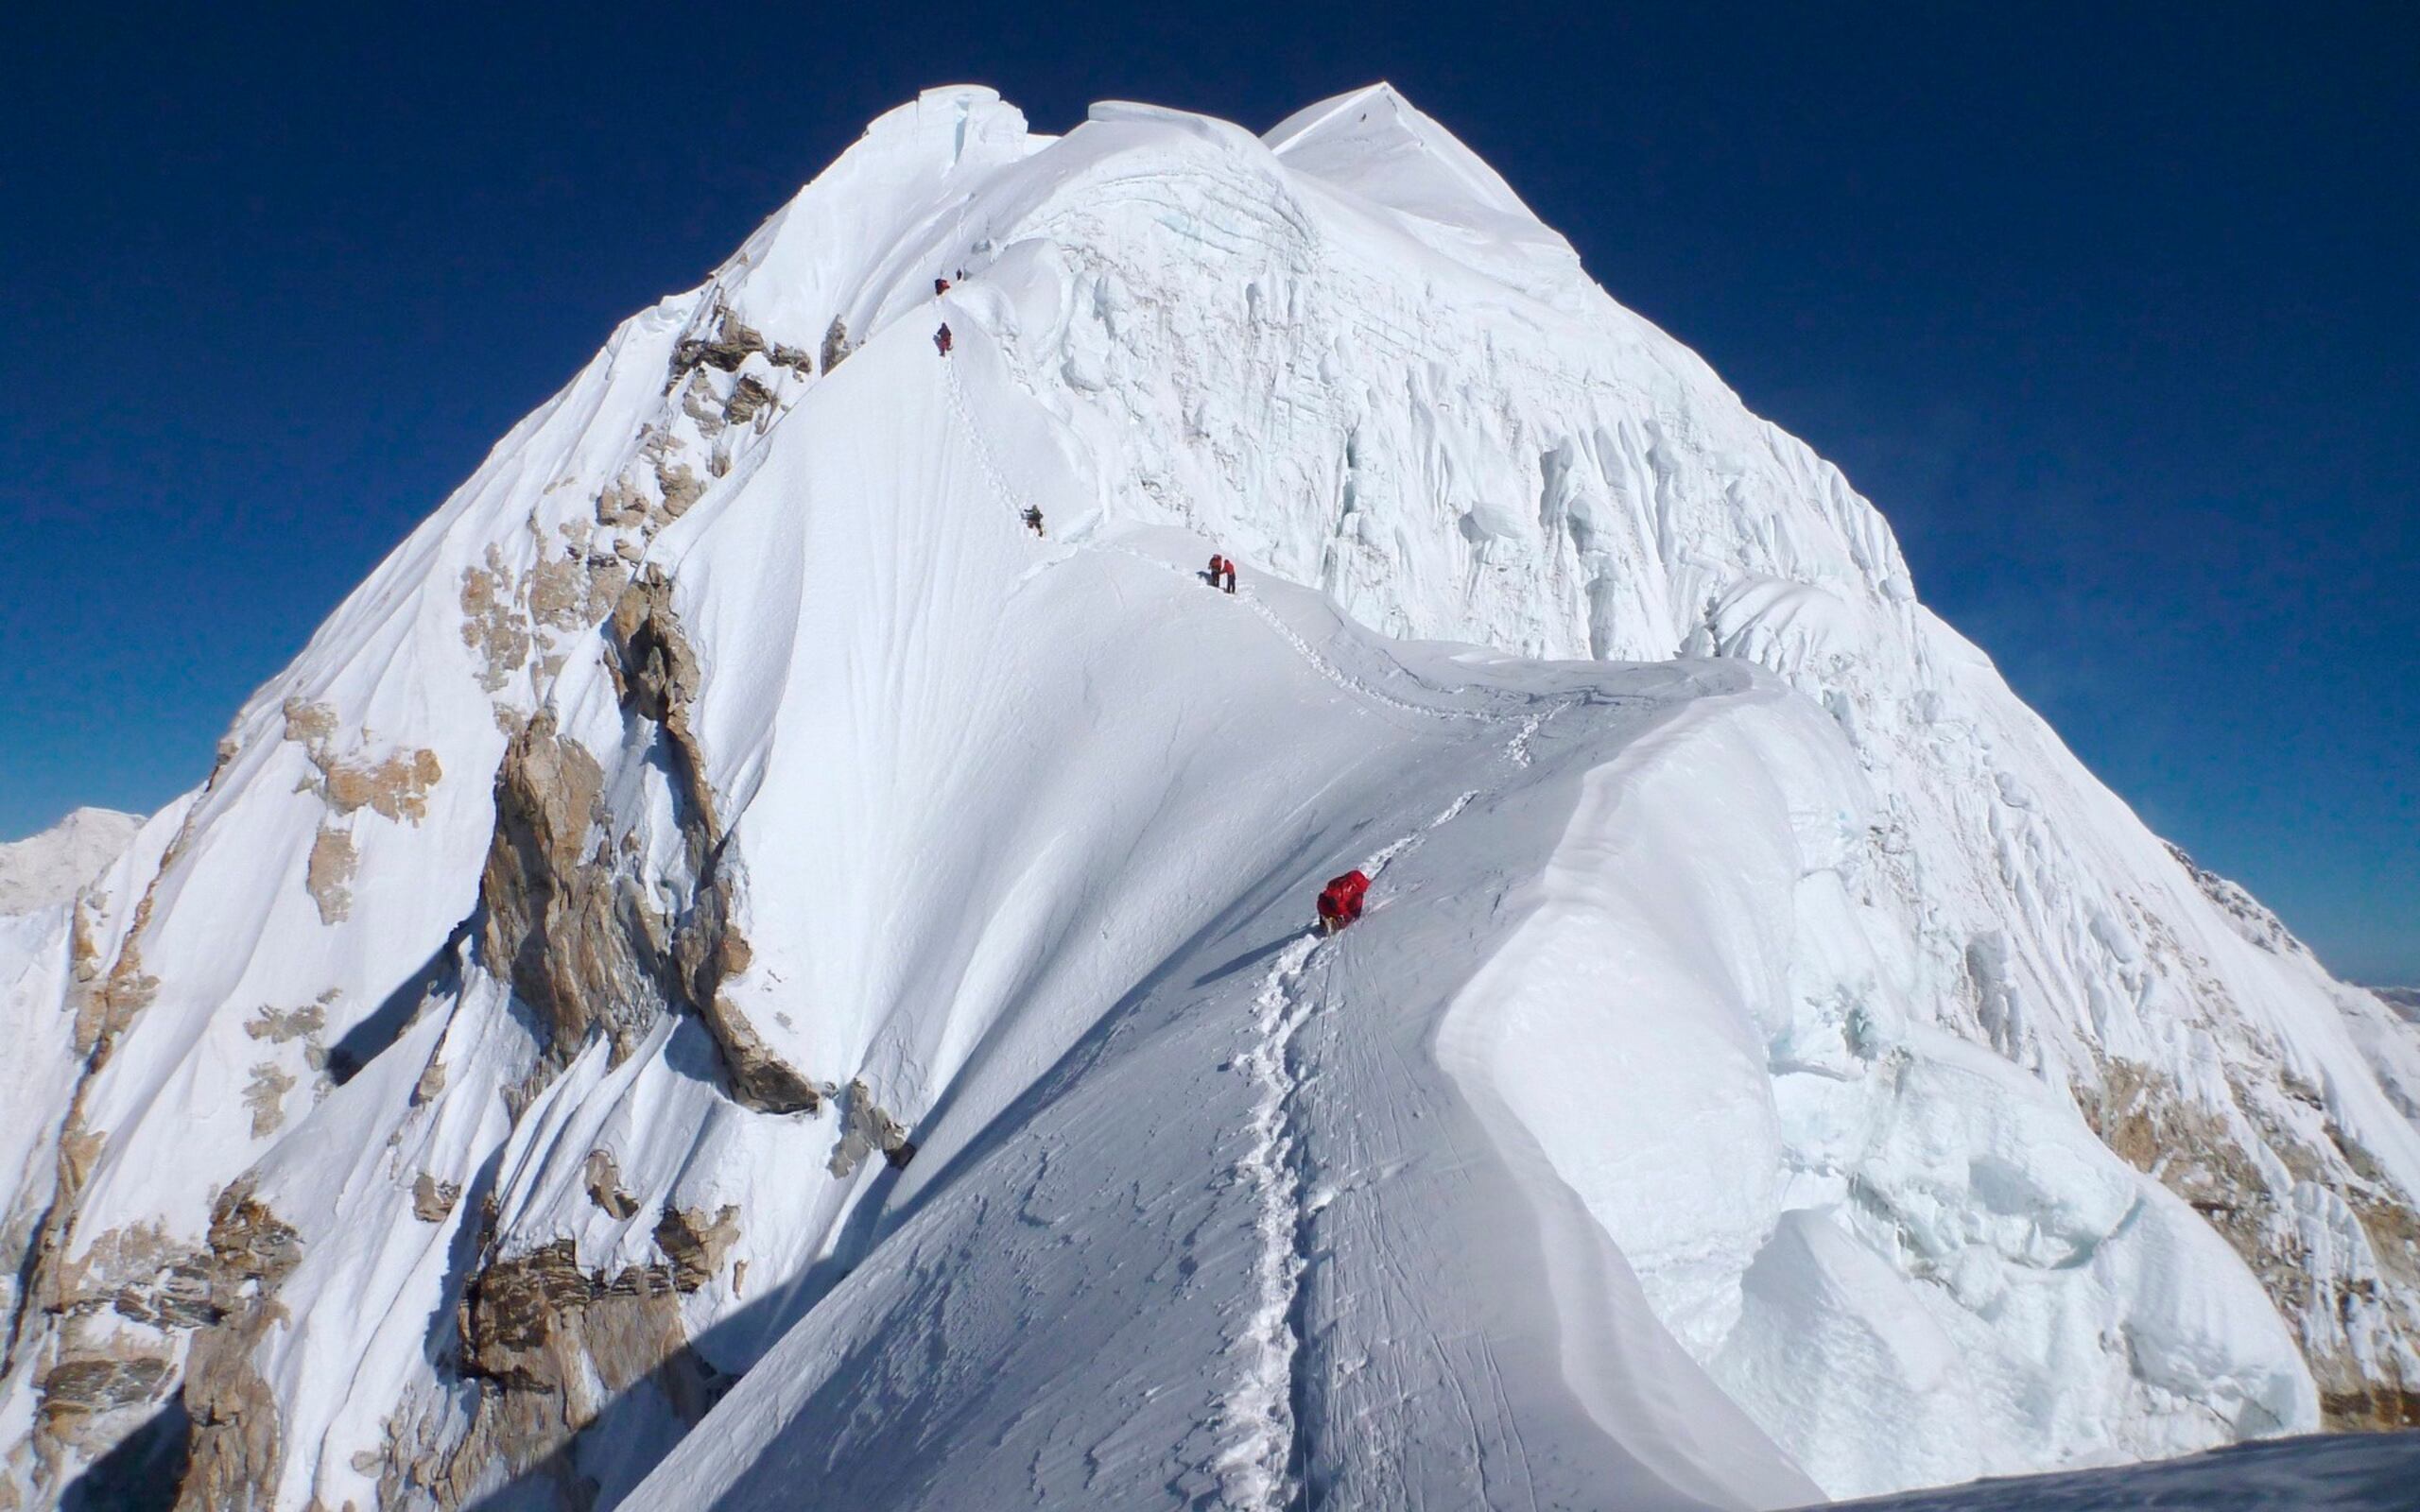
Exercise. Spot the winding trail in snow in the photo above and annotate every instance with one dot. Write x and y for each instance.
(1257, 1421)
(1017, 506)
(1256, 1418)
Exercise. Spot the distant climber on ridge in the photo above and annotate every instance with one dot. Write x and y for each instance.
(940, 286)
(941, 339)
(1227, 570)
(1340, 900)
(1033, 516)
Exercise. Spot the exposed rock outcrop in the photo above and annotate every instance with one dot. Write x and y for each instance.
(2275, 1195)
(433, 1200)
(866, 1127)
(553, 1343)
(238, 1433)
(603, 1179)
(658, 674)
(836, 345)
(328, 875)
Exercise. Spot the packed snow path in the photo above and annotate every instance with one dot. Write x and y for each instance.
(1018, 505)
(1259, 1412)
(1257, 1470)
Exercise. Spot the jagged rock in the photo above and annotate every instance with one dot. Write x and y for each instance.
(178, 1298)
(694, 1244)
(747, 398)
(264, 1097)
(308, 723)
(559, 593)
(681, 487)
(836, 344)
(238, 1433)
(490, 626)
(729, 344)
(558, 1343)
(659, 678)
(327, 876)
(279, 1026)
(550, 922)
(432, 1081)
(866, 1127)
(85, 1386)
(395, 786)
(621, 505)
(657, 670)
(604, 1182)
(433, 1200)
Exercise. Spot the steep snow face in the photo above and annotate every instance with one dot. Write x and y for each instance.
(49, 868)
(731, 958)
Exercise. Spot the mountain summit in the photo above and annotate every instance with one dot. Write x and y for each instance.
(767, 952)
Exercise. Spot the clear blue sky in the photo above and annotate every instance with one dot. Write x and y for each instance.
(2113, 311)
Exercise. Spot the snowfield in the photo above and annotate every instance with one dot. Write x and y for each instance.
(2341, 1473)
(732, 965)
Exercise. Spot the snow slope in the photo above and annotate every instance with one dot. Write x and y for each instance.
(2369, 1474)
(48, 868)
(730, 964)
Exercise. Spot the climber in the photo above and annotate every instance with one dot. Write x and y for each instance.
(1217, 570)
(940, 286)
(1033, 518)
(941, 339)
(1229, 565)
(1340, 900)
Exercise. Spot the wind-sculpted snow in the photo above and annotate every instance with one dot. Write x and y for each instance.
(733, 969)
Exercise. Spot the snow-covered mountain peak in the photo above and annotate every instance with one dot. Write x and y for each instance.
(767, 945)
(1373, 143)
(47, 868)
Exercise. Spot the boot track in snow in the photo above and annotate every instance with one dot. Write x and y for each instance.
(1262, 1465)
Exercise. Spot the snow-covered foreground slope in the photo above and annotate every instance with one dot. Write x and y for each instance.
(2369, 1474)
(732, 965)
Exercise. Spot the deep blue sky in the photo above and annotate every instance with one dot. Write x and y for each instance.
(2112, 310)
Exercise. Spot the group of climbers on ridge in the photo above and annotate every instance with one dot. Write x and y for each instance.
(1340, 900)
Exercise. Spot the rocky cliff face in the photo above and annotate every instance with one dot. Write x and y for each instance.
(465, 1089)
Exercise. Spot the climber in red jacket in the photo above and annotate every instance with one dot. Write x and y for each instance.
(1227, 572)
(941, 339)
(1340, 900)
